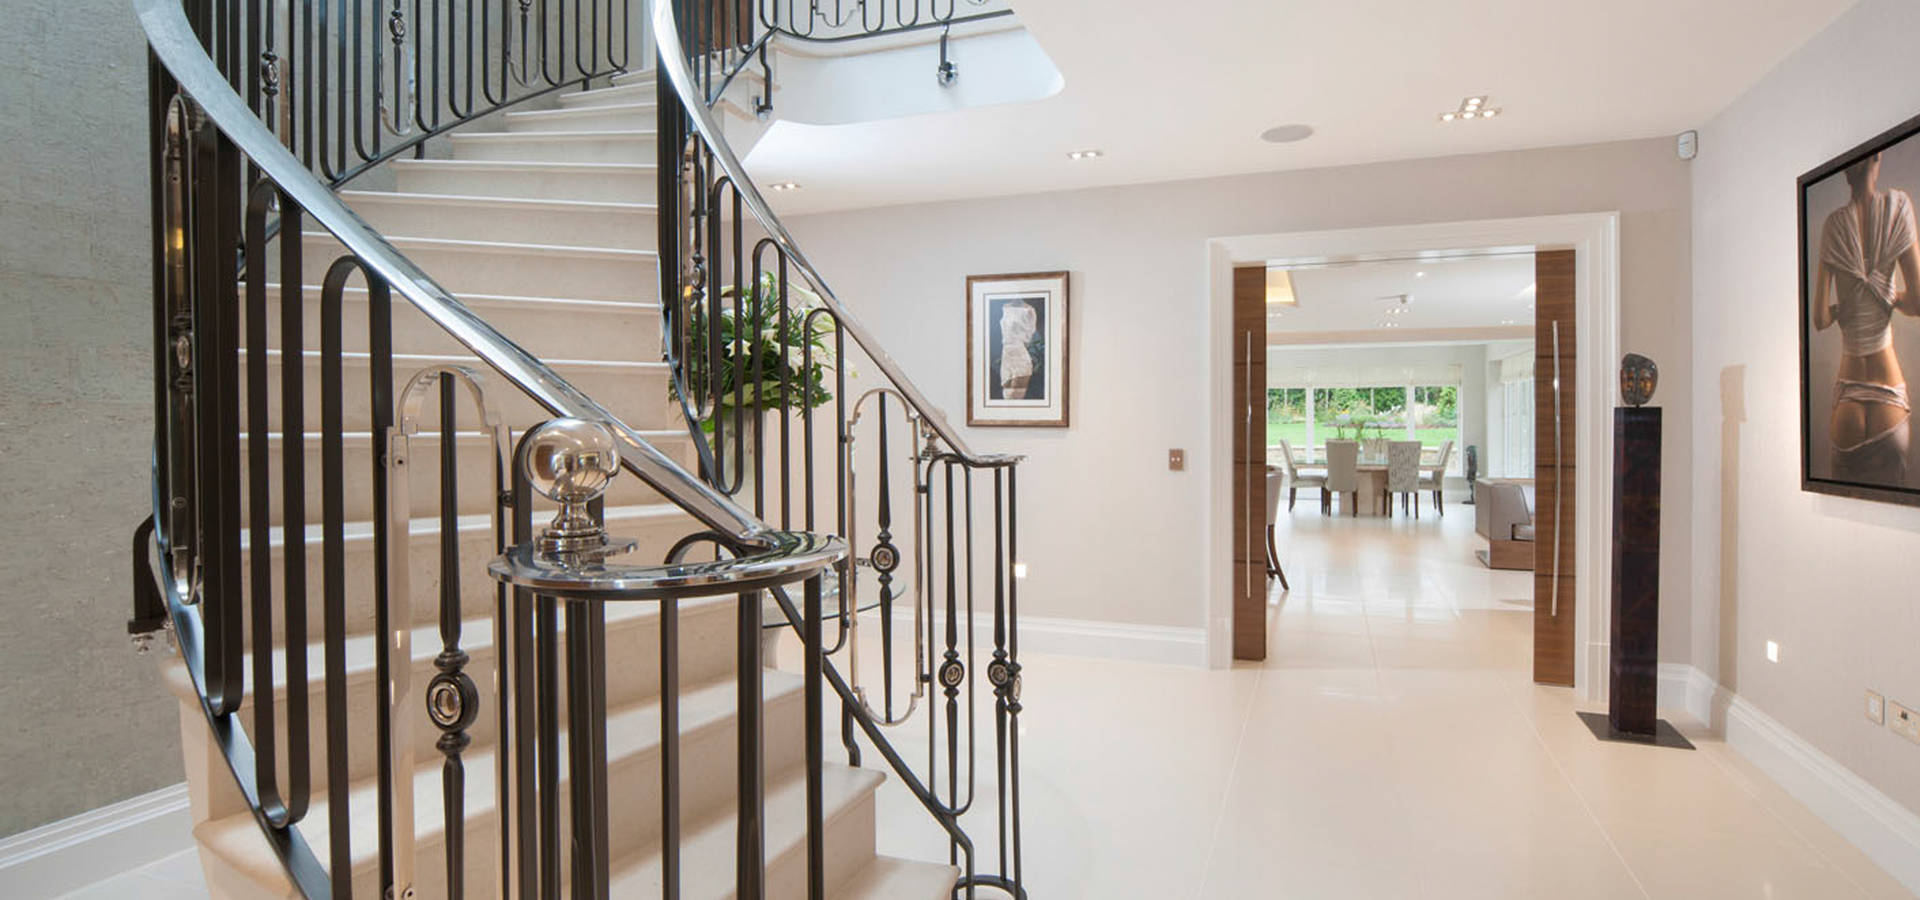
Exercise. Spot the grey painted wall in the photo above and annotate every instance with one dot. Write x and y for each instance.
(1111, 534)
(86, 722)
(1828, 578)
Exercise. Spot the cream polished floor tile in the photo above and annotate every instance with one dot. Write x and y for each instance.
(1392, 745)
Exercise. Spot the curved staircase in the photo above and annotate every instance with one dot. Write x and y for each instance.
(547, 230)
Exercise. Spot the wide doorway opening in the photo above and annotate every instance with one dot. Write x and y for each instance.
(1406, 434)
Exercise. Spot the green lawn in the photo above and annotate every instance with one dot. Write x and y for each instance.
(1296, 434)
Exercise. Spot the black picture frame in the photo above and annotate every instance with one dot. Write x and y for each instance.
(1811, 430)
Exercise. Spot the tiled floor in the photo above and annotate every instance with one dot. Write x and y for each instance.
(1392, 746)
(176, 877)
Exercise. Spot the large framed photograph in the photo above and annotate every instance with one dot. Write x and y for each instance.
(1017, 349)
(1860, 320)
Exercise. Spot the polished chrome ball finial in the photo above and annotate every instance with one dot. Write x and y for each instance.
(571, 462)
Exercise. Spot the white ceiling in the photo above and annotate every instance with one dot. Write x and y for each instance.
(1471, 297)
(1184, 90)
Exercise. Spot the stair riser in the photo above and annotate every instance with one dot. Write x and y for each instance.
(549, 330)
(849, 846)
(617, 186)
(539, 147)
(656, 534)
(489, 269)
(633, 676)
(473, 472)
(638, 91)
(588, 118)
(637, 396)
(576, 227)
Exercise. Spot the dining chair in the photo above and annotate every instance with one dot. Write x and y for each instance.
(1343, 476)
(1274, 477)
(1436, 477)
(1403, 476)
(1295, 479)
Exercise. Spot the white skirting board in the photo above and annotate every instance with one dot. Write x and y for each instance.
(1110, 640)
(1880, 826)
(72, 853)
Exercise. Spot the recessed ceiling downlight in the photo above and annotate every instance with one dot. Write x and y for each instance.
(783, 186)
(1084, 154)
(1287, 134)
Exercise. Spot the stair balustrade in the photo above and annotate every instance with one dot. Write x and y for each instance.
(470, 747)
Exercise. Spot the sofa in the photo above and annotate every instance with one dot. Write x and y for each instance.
(1503, 514)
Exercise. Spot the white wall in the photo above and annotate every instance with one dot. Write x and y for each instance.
(1836, 582)
(1109, 532)
(1471, 358)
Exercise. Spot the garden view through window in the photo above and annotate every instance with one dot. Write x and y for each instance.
(1309, 417)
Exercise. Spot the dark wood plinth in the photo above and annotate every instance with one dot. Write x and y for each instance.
(1636, 570)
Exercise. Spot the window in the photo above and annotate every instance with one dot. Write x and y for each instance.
(1309, 417)
(1517, 458)
(1287, 417)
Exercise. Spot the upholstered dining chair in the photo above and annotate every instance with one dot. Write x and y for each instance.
(1343, 476)
(1435, 477)
(1403, 476)
(1295, 478)
(1274, 477)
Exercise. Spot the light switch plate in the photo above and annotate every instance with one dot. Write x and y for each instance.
(1904, 720)
(1876, 708)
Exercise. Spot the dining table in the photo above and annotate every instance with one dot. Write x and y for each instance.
(1372, 472)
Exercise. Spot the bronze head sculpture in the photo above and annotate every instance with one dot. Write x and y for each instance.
(1638, 376)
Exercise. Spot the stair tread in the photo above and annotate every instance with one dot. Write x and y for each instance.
(432, 435)
(404, 241)
(311, 356)
(476, 633)
(424, 526)
(483, 165)
(633, 732)
(359, 293)
(707, 849)
(509, 202)
(630, 134)
(575, 112)
(893, 878)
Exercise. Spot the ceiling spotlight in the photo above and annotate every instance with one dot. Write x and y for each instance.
(1419, 274)
(1287, 134)
(783, 186)
(1470, 108)
(1083, 154)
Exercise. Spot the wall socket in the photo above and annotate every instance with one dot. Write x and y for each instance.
(1905, 721)
(1876, 708)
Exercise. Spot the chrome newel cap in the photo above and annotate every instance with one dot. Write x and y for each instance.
(571, 462)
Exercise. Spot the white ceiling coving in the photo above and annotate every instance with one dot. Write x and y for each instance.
(1172, 91)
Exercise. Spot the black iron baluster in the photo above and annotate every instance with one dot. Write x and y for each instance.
(1013, 669)
(670, 748)
(547, 653)
(526, 700)
(453, 701)
(380, 394)
(334, 567)
(750, 793)
(816, 743)
(997, 669)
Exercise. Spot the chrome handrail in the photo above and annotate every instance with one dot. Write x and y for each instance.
(174, 43)
(672, 52)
